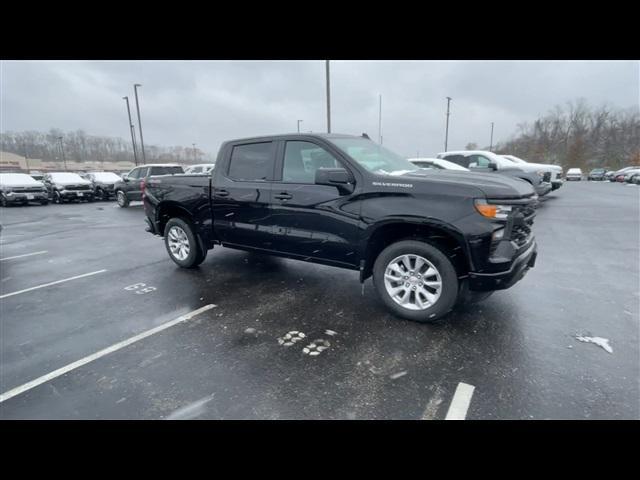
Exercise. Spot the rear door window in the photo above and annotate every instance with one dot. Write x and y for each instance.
(170, 170)
(458, 159)
(252, 162)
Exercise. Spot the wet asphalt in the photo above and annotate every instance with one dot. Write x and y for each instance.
(517, 348)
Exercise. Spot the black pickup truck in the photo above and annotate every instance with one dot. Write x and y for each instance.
(431, 239)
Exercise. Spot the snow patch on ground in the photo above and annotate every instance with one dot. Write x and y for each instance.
(601, 342)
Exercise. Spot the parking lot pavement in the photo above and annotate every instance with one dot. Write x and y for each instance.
(513, 356)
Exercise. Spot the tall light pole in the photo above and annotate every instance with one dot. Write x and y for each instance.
(491, 142)
(26, 157)
(131, 129)
(328, 98)
(446, 134)
(380, 120)
(194, 151)
(299, 125)
(63, 157)
(144, 158)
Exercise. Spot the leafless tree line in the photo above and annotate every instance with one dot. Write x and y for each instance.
(80, 147)
(577, 135)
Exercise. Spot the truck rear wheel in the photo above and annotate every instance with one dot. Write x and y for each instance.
(182, 244)
(416, 281)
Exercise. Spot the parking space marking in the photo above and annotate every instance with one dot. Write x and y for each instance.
(460, 403)
(106, 351)
(25, 255)
(51, 283)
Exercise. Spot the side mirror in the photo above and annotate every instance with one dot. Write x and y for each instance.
(493, 165)
(125, 177)
(335, 177)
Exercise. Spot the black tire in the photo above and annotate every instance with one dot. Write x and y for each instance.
(99, 195)
(3, 201)
(44, 202)
(57, 198)
(433, 254)
(197, 253)
(121, 198)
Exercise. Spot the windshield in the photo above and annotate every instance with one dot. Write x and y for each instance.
(373, 157)
(105, 176)
(16, 179)
(67, 177)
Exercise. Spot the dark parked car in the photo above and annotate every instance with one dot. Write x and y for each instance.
(67, 186)
(20, 188)
(431, 239)
(104, 184)
(488, 162)
(597, 174)
(129, 188)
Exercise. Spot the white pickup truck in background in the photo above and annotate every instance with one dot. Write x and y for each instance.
(554, 170)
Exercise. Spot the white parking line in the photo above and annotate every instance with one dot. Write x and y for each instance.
(51, 283)
(460, 403)
(83, 361)
(25, 255)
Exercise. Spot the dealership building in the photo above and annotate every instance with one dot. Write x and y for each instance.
(10, 162)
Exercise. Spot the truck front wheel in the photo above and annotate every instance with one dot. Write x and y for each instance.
(416, 280)
(182, 244)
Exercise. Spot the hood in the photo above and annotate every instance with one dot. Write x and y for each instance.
(490, 184)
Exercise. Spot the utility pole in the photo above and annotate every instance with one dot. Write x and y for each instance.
(328, 98)
(144, 158)
(380, 120)
(299, 125)
(491, 141)
(26, 157)
(131, 129)
(194, 151)
(446, 135)
(63, 157)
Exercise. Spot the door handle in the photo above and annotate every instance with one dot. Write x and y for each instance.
(283, 196)
(221, 193)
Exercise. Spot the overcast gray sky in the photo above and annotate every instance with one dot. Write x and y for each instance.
(207, 102)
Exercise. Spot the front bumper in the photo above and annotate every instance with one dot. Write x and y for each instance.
(519, 266)
(15, 197)
(76, 194)
(543, 188)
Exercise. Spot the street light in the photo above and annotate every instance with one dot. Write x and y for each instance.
(194, 151)
(63, 157)
(380, 120)
(299, 125)
(446, 135)
(491, 142)
(328, 97)
(131, 129)
(144, 158)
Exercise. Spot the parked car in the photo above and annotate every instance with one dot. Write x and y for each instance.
(201, 169)
(67, 186)
(609, 175)
(431, 239)
(104, 184)
(21, 188)
(574, 174)
(629, 174)
(437, 164)
(130, 187)
(597, 174)
(636, 179)
(618, 175)
(555, 171)
(489, 162)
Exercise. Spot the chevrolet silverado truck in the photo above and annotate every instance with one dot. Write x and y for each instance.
(431, 239)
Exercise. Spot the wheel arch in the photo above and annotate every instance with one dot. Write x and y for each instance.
(444, 236)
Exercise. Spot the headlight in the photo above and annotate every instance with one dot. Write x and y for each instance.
(541, 173)
(489, 210)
